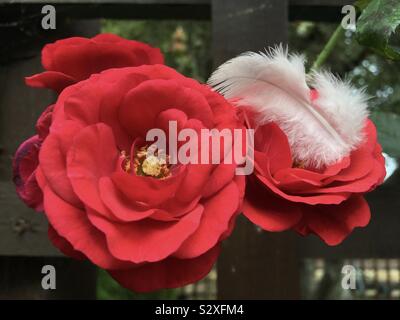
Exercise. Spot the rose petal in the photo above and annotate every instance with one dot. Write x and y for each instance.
(311, 197)
(43, 124)
(270, 140)
(361, 185)
(222, 175)
(146, 240)
(141, 106)
(169, 273)
(40, 178)
(63, 245)
(24, 166)
(215, 220)
(25, 160)
(121, 207)
(361, 165)
(269, 212)
(93, 155)
(53, 80)
(296, 179)
(72, 224)
(148, 190)
(52, 161)
(81, 57)
(334, 223)
(194, 182)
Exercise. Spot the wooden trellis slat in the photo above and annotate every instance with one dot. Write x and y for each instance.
(24, 246)
(253, 264)
(22, 231)
(313, 10)
(20, 278)
(187, 2)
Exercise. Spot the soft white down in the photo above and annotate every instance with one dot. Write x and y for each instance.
(274, 84)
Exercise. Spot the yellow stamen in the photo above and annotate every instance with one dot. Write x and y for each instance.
(153, 165)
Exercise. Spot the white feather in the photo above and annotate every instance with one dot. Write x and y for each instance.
(274, 85)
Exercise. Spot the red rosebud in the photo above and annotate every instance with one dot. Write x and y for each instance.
(26, 161)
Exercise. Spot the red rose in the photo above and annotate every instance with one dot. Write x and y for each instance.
(315, 150)
(24, 169)
(149, 230)
(69, 61)
(328, 203)
(25, 163)
(74, 59)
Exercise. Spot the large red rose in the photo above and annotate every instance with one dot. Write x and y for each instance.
(150, 231)
(315, 150)
(328, 202)
(70, 60)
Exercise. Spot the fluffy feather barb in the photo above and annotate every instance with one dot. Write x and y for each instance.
(274, 84)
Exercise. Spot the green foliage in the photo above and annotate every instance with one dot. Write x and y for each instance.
(186, 45)
(388, 125)
(377, 25)
(362, 4)
(376, 29)
(109, 289)
(364, 68)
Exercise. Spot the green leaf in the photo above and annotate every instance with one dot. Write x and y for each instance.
(377, 24)
(388, 125)
(362, 4)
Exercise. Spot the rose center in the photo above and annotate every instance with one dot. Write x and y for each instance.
(153, 164)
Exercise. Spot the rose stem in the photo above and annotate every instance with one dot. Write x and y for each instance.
(327, 50)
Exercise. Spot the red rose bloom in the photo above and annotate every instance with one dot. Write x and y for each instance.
(149, 230)
(328, 203)
(69, 61)
(74, 59)
(315, 150)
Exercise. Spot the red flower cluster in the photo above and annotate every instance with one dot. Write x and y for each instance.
(148, 232)
(162, 226)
